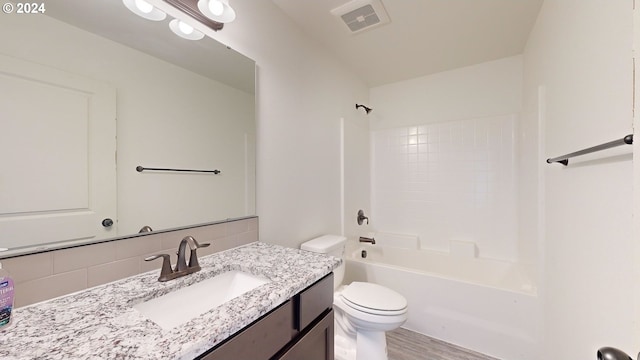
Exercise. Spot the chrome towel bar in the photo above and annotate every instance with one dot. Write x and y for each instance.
(564, 159)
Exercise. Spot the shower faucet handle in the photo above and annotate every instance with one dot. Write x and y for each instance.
(362, 218)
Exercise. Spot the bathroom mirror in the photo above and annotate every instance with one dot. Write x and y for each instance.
(165, 102)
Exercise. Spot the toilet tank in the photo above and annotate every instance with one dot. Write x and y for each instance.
(327, 244)
(331, 245)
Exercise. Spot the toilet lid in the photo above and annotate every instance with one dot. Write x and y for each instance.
(374, 298)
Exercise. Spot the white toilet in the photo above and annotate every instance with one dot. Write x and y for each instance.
(363, 311)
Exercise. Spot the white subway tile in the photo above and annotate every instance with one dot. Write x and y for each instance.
(462, 180)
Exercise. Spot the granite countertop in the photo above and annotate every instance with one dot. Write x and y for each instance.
(100, 323)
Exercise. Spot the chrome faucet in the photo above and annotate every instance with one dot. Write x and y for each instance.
(181, 269)
(370, 240)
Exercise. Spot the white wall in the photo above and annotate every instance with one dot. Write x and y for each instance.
(487, 89)
(578, 83)
(303, 92)
(357, 173)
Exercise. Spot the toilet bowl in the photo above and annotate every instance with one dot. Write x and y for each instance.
(363, 311)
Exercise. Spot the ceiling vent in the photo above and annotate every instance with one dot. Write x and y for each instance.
(360, 15)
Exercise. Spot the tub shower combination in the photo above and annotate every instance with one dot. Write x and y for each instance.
(485, 305)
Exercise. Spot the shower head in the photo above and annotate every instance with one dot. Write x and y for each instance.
(367, 109)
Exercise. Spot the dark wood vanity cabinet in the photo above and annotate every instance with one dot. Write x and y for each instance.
(299, 329)
(316, 343)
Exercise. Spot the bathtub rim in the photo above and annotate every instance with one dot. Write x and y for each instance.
(526, 288)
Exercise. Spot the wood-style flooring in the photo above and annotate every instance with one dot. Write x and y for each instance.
(403, 344)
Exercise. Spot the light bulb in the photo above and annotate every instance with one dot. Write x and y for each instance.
(144, 9)
(185, 28)
(217, 10)
(216, 7)
(144, 6)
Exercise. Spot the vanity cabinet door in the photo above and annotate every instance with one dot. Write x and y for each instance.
(315, 343)
(313, 302)
(261, 340)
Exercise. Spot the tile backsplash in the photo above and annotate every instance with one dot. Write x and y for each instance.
(449, 181)
(43, 276)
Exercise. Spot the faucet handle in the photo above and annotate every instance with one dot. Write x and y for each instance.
(165, 273)
(362, 218)
(193, 257)
(197, 245)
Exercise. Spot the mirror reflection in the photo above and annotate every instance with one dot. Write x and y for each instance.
(95, 91)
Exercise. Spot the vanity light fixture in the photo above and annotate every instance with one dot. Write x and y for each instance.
(217, 10)
(185, 30)
(144, 9)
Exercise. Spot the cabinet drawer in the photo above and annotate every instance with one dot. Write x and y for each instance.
(313, 301)
(259, 341)
(315, 343)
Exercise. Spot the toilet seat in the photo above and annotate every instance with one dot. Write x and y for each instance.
(367, 321)
(374, 299)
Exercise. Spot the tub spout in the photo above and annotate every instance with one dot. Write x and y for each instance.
(370, 240)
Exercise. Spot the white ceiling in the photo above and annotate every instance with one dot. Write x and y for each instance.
(423, 37)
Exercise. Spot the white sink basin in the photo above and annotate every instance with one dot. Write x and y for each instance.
(180, 306)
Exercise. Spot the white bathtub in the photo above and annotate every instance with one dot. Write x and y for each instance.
(484, 305)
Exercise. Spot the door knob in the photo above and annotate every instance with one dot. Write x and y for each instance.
(107, 222)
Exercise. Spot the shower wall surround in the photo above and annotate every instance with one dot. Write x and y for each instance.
(445, 155)
(447, 181)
